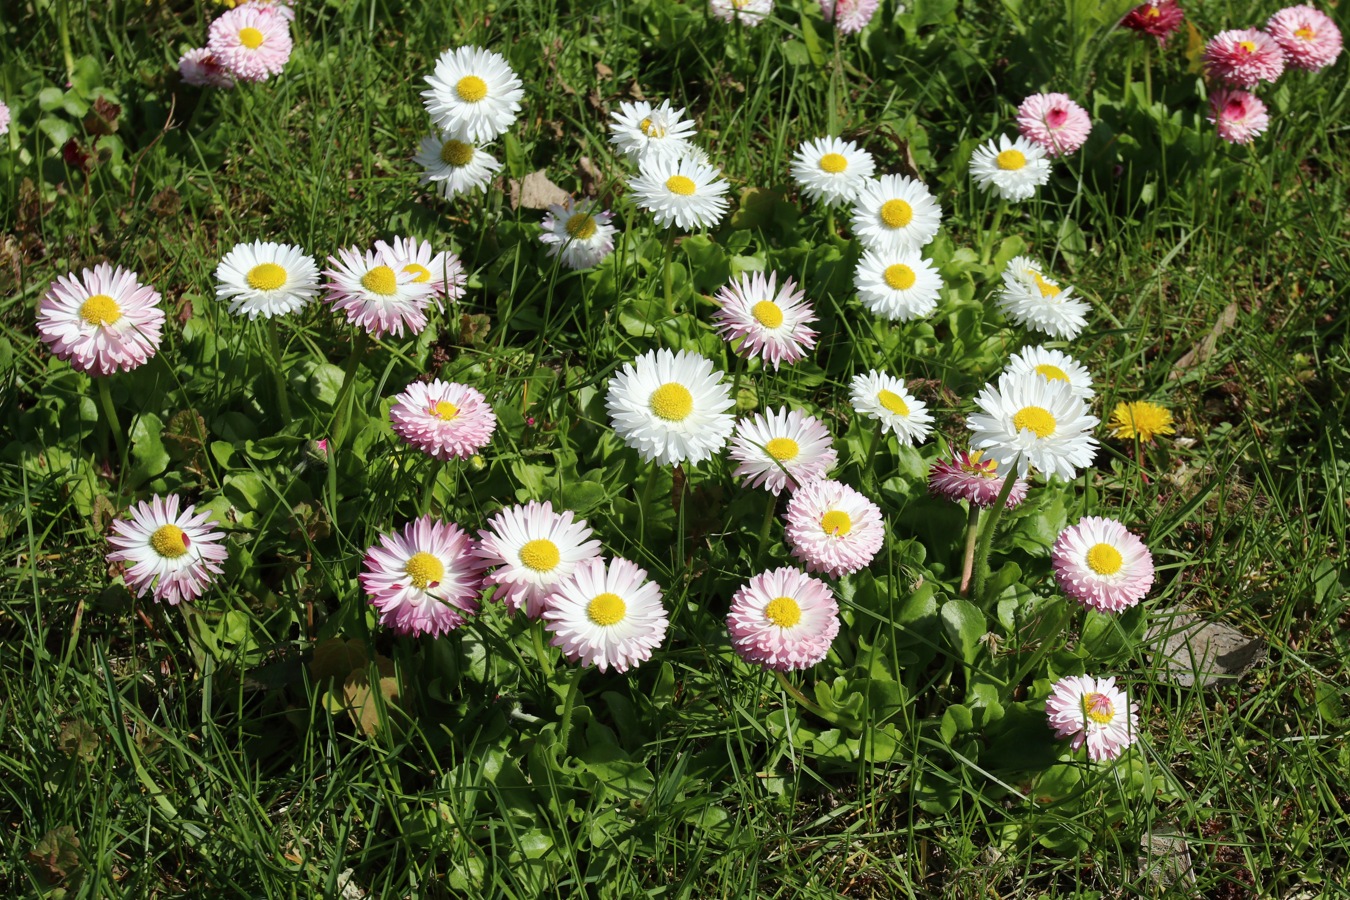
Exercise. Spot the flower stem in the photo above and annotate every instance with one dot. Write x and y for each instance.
(968, 559)
(342, 408)
(767, 525)
(871, 474)
(980, 569)
(668, 270)
(540, 649)
(810, 706)
(429, 487)
(643, 501)
(278, 371)
(110, 419)
(574, 691)
(987, 245)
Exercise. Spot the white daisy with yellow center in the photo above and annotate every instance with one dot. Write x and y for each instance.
(682, 192)
(1052, 365)
(534, 549)
(442, 271)
(899, 285)
(606, 616)
(748, 12)
(782, 450)
(454, 165)
(671, 407)
(831, 170)
(884, 398)
(266, 279)
(474, 94)
(1013, 169)
(579, 232)
(1033, 299)
(640, 131)
(376, 293)
(895, 212)
(1028, 422)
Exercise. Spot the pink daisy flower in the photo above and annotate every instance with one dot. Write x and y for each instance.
(1309, 38)
(534, 549)
(105, 321)
(200, 68)
(445, 420)
(1238, 115)
(281, 8)
(424, 579)
(1095, 712)
(1054, 122)
(769, 322)
(849, 16)
(252, 43)
(832, 528)
(4, 119)
(1243, 57)
(780, 450)
(783, 619)
(607, 617)
(1101, 565)
(174, 554)
(375, 295)
(442, 271)
(974, 478)
(1157, 17)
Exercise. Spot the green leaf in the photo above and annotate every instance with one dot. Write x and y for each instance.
(964, 625)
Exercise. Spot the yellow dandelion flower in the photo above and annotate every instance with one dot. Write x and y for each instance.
(1140, 419)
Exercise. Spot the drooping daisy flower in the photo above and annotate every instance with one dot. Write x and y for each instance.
(1027, 422)
(899, 285)
(1102, 565)
(832, 528)
(376, 296)
(1033, 300)
(849, 16)
(681, 192)
(607, 617)
(534, 549)
(640, 130)
(1092, 711)
(445, 420)
(454, 166)
(783, 620)
(1309, 38)
(200, 68)
(442, 271)
(253, 44)
(782, 450)
(1158, 18)
(580, 231)
(105, 321)
(1140, 419)
(1052, 365)
(831, 170)
(424, 579)
(1013, 169)
(174, 554)
(670, 407)
(474, 94)
(1243, 57)
(4, 119)
(895, 212)
(1237, 115)
(266, 279)
(769, 322)
(883, 398)
(748, 12)
(974, 478)
(1054, 122)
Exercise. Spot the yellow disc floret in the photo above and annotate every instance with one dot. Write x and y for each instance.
(672, 402)
(1044, 285)
(833, 163)
(1011, 160)
(169, 541)
(424, 570)
(1036, 420)
(606, 609)
(421, 274)
(836, 522)
(1051, 373)
(380, 280)
(266, 277)
(541, 555)
(1104, 559)
(471, 89)
(896, 213)
(1098, 708)
(767, 313)
(893, 403)
(445, 410)
(100, 309)
(251, 38)
(783, 612)
(783, 449)
(678, 184)
(456, 153)
(580, 226)
(899, 277)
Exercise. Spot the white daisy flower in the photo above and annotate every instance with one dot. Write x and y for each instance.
(749, 12)
(474, 94)
(1011, 168)
(898, 285)
(895, 212)
(769, 322)
(884, 398)
(680, 192)
(831, 170)
(454, 166)
(579, 231)
(640, 130)
(375, 295)
(1033, 300)
(1052, 365)
(267, 279)
(671, 407)
(443, 271)
(782, 450)
(1028, 422)
(607, 617)
(534, 549)
(176, 555)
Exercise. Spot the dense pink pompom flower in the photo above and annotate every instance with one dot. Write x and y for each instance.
(534, 549)
(606, 616)
(849, 16)
(832, 528)
(1238, 115)
(1095, 712)
(1054, 122)
(1158, 18)
(1243, 57)
(200, 68)
(105, 321)
(174, 554)
(424, 579)
(768, 321)
(253, 43)
(783, 619)
(1102, 565)
(972, 477)
(1308, 37)
(445, 420)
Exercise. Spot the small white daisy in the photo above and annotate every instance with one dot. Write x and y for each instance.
(1033, 300)
(749, 12)
(1052, 365)
(899, 285)
(454, 166)
(579, 231)
(1027, 422)
(176, 555)
(671, 407)
(640, 130)
(769, 322)
(680, 192)
(895, 212)
(831, 170)
(607, 617)
(442, 271)
(474, 94)
(782, 450)
(884, 398)
(534, 549)
(267, 279)
(1011, 168)
(375, 295)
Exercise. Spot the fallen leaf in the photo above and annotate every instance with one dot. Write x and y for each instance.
(603, 71)
(1165, 859)
(360, 698)
(535, 191)
(1189, 650)
(589, 174)
(1205, 349)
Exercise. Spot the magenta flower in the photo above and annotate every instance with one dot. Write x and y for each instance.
(200, 68)
(1238, 115)
(1243, 58)
(175, 555)
(972, 477)
(1158, 18)
(424, 579)
(1308, 37)
(105, 321)
(1092, 711)
(783, 619)
(1054, 122)
(832, 528)
(445, 420)
(1102, 565)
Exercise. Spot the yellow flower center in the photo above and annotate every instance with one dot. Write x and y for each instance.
(100, 309)
(580, 226)
(978, 465)
(893, 403)
(456, 153)
(672, 402)
(420, 274)
(834, 163)
(1010, 160)
(169, 541)
(471, 89)
(1045, 286)
(783, 612)
(1152, 12)
(541, 555)
(1104, 559)
(251, 38)
(445, 410)
(896, 213)
(767, 313)
(1305, 32)
(424, 570)
(678, 184)
(899, 277)
(651, 129)
(783, 449)
(1249, 46)
(1098, 708)
(266, 277)
(1035, 419)
(1051, 373)
(836, 522)
(380, 280)
(607, 609)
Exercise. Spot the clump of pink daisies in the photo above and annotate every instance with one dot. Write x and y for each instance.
(442, 272)
(1309, 38)
(1238, 115)
(832, 528)
(1158, 18)
(849, 16)
(102, 322)
(176, 555)
(1054, 122)
(768, 321)
(424, 579)
(783, 620)
(1095, 712)
(972, 477)
(444, 420)
(1102, 565)
(1243, 57)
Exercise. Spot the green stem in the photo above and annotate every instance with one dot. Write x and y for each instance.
(342, 406)
(1148, 74)
(809, 706)
(110, 419)
(767, 525)
(871, 474)
(829, 222)
(540, 649)
(279, 372)
(574, 691)
(63, 31)
(968, 559)
(987, 245)
(981, 565)
(429, 487)
(668, 271)
(643, 500)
